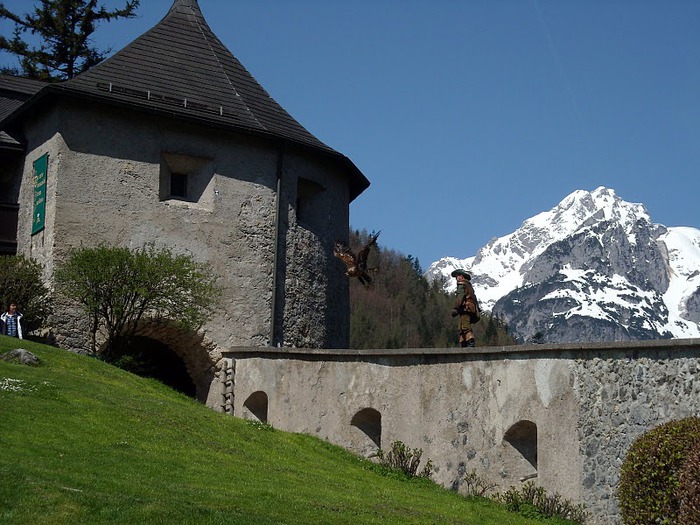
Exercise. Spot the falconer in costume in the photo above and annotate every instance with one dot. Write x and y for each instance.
(465, 307)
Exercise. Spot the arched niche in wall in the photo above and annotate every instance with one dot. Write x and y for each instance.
(180, 359)
(257, 405)
(149, 357)
(369, 421)
(522, 436)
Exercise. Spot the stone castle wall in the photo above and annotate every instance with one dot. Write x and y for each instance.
(562, 416)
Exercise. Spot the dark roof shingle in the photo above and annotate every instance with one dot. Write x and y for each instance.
(182, 67)
(14, 91)
(20, 85)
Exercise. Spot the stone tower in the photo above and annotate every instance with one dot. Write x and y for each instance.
(172, 141)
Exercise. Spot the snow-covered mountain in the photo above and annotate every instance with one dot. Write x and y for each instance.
(593, 268)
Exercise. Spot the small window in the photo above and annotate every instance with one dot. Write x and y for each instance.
(185, 180)
(178, 185)
(523, 438)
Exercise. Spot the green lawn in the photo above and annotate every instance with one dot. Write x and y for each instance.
(85, 442)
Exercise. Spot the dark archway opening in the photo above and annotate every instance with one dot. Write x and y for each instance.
(148, 357)
(369, 421)
(523, 437)
(257, 405)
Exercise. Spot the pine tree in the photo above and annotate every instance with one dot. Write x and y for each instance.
(64, 28)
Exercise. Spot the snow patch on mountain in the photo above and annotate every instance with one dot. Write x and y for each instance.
(604, 301)
(683, 246)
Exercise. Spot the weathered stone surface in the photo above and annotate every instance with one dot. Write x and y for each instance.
(611, 417)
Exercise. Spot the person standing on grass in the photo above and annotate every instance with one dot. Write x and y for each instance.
(11, 322)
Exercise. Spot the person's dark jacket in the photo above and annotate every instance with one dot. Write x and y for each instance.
(21, 325)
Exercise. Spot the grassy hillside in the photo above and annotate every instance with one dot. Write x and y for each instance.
(83, 442)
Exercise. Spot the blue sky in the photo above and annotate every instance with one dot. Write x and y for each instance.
(470, 116)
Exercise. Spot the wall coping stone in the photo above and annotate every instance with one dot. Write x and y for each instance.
(595, 349)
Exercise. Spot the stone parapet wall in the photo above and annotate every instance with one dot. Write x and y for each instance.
(563, 416)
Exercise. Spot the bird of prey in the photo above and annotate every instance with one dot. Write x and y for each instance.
(357, 264)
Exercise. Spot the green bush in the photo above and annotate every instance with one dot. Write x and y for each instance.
(118, 288)
(689, 490)
(534, 502)
(476, 486)
(402, 458)
(649, 476)
(20, 281)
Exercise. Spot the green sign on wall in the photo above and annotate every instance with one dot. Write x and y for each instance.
(41, 166)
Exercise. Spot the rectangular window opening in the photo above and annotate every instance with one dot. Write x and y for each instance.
(178, 185)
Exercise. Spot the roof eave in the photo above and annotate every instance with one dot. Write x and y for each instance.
(11, 146)
(358, 182)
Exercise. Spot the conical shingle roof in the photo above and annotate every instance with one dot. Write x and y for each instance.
(180, 68)
(14, 91)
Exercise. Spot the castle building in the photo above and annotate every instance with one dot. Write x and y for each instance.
(172, 141)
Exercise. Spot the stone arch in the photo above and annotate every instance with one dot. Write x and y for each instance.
(521, 440)
(369, 438)
(257, 404)
(155, 359)
(178, 354)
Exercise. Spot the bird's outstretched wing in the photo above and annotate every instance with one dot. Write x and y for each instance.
(364, 252)
(357, 264)
(342, 252)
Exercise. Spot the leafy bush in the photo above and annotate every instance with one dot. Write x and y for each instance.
(402, 458)
(534, 502)
(20, 281)
(689, 491)
(118, 287)
(476, 486)
(649, 476)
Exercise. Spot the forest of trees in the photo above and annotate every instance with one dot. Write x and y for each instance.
(403, 310)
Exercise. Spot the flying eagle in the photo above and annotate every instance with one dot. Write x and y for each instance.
(357, 264)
